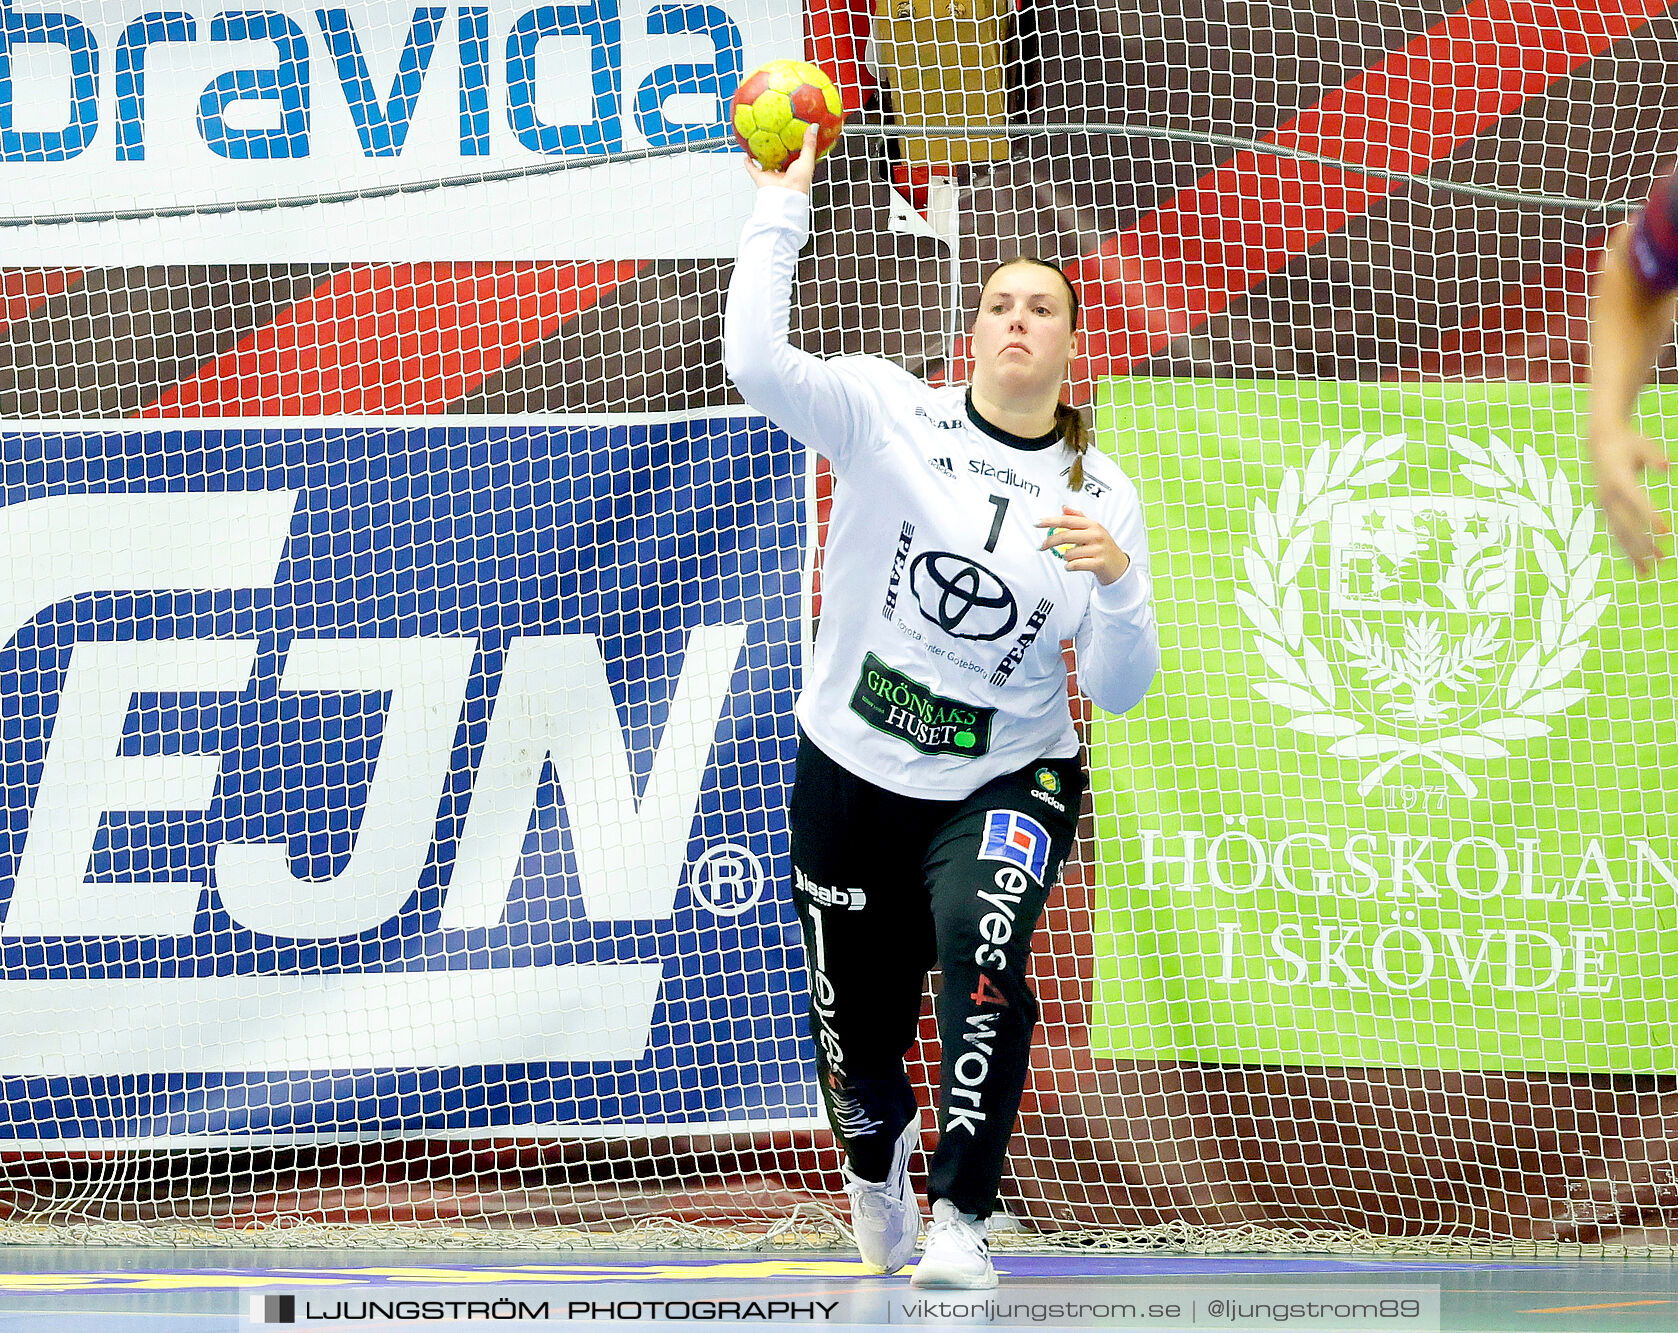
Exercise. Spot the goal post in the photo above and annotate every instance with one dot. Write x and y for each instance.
(403, 619)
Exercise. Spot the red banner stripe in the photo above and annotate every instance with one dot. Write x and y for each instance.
(1250, 217)
(1538, 331)
(25, 290)
(392, 339)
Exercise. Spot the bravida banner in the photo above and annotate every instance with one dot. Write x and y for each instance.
(1404, 794)
(185, 111)
(420, 779)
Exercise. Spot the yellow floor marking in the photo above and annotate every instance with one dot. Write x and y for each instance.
(200, 1281)
(1574, 1309)
(626, 1272)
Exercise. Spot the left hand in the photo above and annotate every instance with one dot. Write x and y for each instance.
(1089, 545)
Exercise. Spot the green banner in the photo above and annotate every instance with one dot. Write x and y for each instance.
(1403, 794)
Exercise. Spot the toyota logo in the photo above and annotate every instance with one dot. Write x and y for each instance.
(960, 597)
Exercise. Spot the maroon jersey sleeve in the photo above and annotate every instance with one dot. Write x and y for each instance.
(1654, 238)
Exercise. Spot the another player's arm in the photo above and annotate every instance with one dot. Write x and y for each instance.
(1630, 323)
(830, 405)
(1118, 642)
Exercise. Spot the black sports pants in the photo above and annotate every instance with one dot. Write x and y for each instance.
(888, 885)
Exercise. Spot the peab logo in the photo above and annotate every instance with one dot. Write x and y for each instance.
(1449, 627)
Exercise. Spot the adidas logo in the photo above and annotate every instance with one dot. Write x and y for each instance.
(945, 465)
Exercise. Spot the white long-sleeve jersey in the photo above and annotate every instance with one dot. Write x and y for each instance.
(938, 662)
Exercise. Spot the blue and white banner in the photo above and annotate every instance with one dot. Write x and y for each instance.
(369, 779)
(187, 110)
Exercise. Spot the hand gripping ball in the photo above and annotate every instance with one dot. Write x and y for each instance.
(775, 102)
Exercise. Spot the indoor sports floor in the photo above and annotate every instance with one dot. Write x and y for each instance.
(52, 1290)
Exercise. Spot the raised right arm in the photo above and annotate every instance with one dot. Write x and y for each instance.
(833, 406)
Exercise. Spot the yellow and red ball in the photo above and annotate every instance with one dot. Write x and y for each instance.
(773, 105)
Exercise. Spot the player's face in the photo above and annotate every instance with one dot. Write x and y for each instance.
(1023, 338)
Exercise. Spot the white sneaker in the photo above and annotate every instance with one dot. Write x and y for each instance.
(885, 1218)
(956, 1253)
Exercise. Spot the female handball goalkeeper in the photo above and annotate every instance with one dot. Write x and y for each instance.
(1635, 299)
(939, 776)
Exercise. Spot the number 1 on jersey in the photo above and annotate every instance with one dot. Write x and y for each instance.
(1001, 503)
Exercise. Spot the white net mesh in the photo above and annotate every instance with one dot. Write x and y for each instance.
(396, 747)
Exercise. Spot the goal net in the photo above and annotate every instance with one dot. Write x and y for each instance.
(403, 616)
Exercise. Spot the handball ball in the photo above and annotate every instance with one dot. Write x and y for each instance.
(775, 102)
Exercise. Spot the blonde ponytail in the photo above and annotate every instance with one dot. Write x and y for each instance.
(1069, 425)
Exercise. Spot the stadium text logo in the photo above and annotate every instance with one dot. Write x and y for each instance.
(554, 710)
(1445, 628)
(252, 83)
